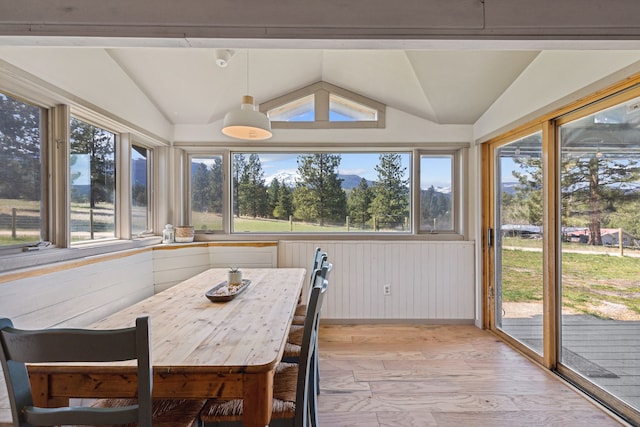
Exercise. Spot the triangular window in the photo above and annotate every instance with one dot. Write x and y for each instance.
(342, 109)
(322, 106)
(299, 110)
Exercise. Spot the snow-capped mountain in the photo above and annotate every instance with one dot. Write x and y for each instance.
(287, 177)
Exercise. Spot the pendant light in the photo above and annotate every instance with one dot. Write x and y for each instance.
(247, 122)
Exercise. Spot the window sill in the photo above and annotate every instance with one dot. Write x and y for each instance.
(16, 261)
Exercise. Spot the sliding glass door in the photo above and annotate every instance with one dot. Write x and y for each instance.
(600, 268)
(518, 235)
(562, 245)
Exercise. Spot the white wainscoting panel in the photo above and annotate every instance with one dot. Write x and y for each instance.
(173, 264)
(428, 280)
(256, 255)
(77, 296)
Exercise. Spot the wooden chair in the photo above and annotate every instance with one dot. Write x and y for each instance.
(292, 395)
(319, 256)
(19, 347)
(164, 412)
(293, 347)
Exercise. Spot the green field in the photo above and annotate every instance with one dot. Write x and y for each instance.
(588, 280)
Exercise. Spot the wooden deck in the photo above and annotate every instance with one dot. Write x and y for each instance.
(604, 351)
(440, 375)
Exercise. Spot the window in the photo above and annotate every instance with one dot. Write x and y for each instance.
(436, 193)
(315, 192)
(342, 109)
(92, 175)
(21, 193)
(207, 193)
(600, 198)
(323, 105)
(140, 189)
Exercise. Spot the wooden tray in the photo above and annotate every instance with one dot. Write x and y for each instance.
(224, 297)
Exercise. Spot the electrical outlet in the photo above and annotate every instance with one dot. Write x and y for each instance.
(386, 289)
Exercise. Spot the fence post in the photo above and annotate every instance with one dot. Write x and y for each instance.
(620, 242)
(91, 223)
(14, 223)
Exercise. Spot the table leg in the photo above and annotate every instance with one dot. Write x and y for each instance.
(258, 398)
(40, 392)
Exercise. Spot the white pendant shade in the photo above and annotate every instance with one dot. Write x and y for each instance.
(246, 122)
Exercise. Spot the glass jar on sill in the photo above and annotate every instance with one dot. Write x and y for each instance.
(168, 234)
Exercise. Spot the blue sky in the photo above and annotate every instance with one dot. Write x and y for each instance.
(435, 171)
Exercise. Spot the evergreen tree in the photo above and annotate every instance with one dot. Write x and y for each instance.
(99, 146)
(359, 203)
(591, 190)
(527, 202)
(200, 188)
(273, 193)
(216, 183)
(284, 207)
(390, 204)
(238, 170)
(20, 176)
(252, 193)
(435, 208)
(319, 195)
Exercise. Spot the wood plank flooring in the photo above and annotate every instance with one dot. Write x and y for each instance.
(439, 375)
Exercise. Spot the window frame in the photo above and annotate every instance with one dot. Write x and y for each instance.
(458, 151)
(45, 126)
(459, 185)
(322, 91)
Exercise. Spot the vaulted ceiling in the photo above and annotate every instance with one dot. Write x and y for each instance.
(189, 88)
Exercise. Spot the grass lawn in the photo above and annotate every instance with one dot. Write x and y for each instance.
(588, 280)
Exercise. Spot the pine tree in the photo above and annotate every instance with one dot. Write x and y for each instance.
(252, 193)
(591, 189)
(20, 176)
(359, 203)
(273, 193)
(99, 145)
(284, 207)
(319, 195)
(200, 188)
(390, 205)
(238, 170)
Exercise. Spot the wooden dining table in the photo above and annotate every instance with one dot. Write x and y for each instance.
(200, 349)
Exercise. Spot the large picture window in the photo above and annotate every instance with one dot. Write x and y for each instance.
(321, 192)
(92, 175)
(21, 172)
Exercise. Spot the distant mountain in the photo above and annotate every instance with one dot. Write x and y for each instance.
(284, 177)
(510, 187)
(349, 181)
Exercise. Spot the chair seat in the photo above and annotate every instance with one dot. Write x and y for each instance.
(301, 310)
(166, 412)
(285, 383)
(295, 334)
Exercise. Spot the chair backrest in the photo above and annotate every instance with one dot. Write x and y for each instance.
(309, 343)
(19, 347)
(318, 256)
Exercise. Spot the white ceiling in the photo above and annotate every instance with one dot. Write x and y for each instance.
(443, 86)
(188, 88)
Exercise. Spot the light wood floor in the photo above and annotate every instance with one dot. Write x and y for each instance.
(439, 375)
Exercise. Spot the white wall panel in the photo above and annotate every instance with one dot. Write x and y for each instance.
(429, 280)
(173, 264)
(77, 296)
